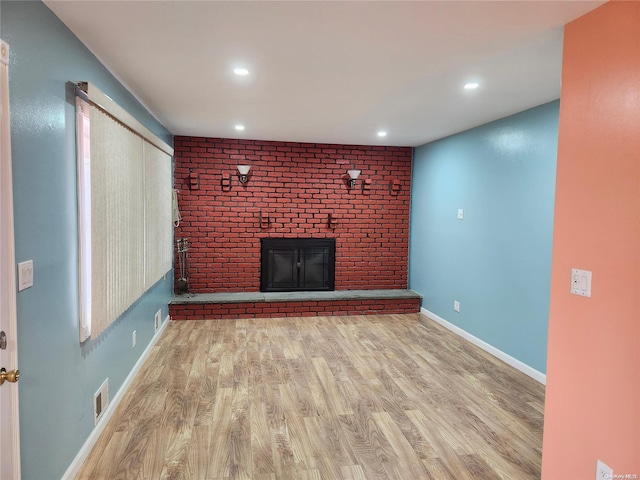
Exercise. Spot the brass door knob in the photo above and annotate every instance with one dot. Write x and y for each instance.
(11, 376)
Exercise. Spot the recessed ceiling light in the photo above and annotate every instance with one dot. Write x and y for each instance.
(240, 127)
(471, 85)
(382, 133)
(241, 71)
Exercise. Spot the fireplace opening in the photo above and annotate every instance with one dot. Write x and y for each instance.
(297, 264)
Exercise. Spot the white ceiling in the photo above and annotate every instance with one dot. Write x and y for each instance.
(329, 72)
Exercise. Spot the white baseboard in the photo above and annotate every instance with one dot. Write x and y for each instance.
(82, 455)
(508, 359)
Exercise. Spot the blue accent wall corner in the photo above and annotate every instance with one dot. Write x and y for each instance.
(496, 261)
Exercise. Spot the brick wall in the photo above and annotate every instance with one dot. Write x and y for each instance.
(293, 190)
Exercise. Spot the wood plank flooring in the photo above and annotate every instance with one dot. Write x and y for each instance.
(358, 397)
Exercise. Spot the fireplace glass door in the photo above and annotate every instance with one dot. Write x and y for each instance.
(297, 264)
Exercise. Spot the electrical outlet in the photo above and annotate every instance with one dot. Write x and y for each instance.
(581, 282)
(456, 306)
(100, 401)
(603, 472)
(157, 320)
(133, 339)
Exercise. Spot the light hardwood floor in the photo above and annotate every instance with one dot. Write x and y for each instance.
(358, 397)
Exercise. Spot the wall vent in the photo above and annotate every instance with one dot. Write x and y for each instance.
(157, 320)
(100, 401)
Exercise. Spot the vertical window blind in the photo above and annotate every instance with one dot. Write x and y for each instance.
(124, 215)
(158, 214)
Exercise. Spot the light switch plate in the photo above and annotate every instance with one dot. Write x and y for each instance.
(25, 275)
(581, 282)
(460, 213)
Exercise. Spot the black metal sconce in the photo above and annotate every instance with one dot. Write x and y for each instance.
(353, 176)
(243, 173)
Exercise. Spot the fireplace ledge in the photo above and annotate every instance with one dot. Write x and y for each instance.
(267, 297)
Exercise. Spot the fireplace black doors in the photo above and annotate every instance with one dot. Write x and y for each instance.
(297, 264)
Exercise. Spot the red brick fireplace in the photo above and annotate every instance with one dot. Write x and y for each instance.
(295, 190)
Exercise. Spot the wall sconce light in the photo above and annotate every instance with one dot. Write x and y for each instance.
(243, 173)
(353, 176)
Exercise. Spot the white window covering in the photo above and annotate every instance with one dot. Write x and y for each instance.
(83, 137)
(124, 217)
(158, 214)
(117, 219)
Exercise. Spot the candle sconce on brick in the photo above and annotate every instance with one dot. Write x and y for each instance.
(332, 220)
(226, 183)
(265, 220)
(194, 180)
(394, 186)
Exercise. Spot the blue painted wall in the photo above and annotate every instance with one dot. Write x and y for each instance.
(59, 376)
(497, 261)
